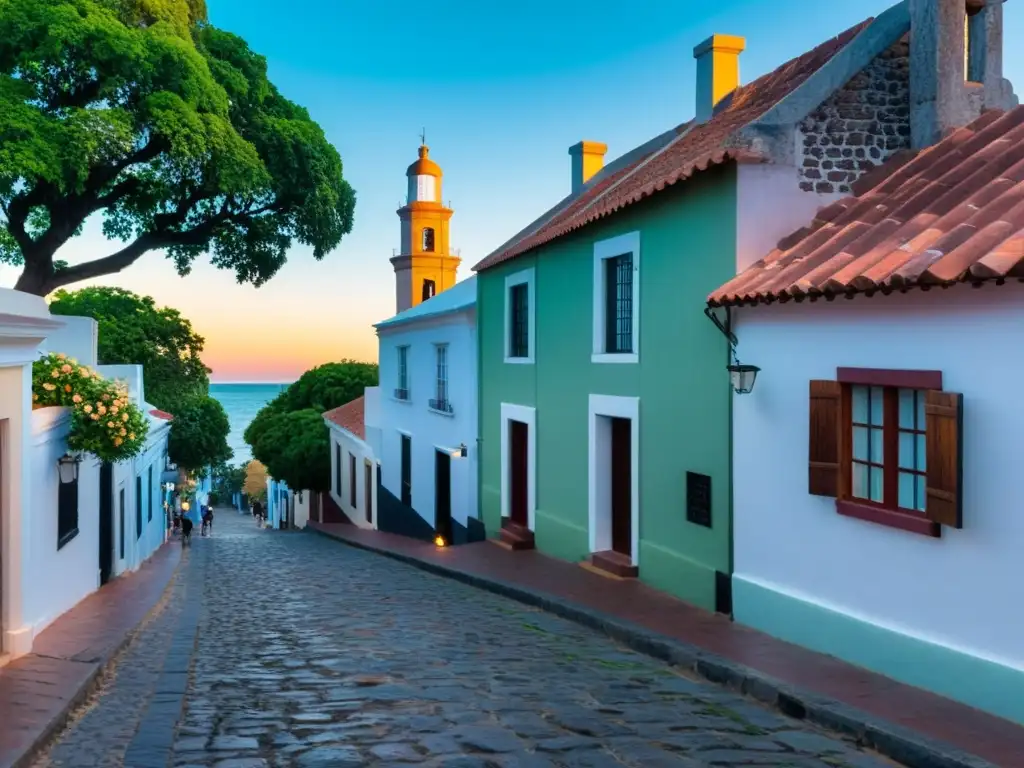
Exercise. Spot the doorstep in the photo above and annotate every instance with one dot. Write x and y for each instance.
(908, 724)
(39, 690)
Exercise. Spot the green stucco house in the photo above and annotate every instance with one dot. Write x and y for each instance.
(605, 402)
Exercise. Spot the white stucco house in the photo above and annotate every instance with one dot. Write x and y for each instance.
(426, 420)
(60, 541)
(353, 463)
(877, 504)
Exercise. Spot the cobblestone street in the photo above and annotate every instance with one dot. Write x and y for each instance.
(287, 649)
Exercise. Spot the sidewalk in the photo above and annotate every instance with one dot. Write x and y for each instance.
(37, 691)
(912, 726)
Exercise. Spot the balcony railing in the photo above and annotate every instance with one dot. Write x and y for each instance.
(444, 406)
(401, 394)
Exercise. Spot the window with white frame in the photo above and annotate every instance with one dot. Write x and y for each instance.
(441, 401)
(520, 328)
(616, 299)
(402, 390)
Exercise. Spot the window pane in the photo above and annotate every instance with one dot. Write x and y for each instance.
(877, 405)
(860, 405)
(860, 481)
(860, 443)
(922, 463)
(920, 410)
(907, 409)
(877, 485)
(908, 443)
(908, 490)
(877, 455)
(920, 492)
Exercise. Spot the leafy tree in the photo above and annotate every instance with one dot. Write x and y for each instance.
(228, 479)
(296, 449)
(289, 435)
(198, 437)
(255, 485)
(133, 330)
(168, 127)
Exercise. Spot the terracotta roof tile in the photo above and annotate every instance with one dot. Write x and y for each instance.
(349, 417)
(952, 213)
(696, 148)
(161, 414)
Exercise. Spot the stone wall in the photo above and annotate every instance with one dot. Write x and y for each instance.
(859, 126)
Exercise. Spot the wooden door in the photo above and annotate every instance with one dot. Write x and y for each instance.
(407, 470)
(368, 491)
(106, 521)
(443, 495)
(622, 486)
(518, 474)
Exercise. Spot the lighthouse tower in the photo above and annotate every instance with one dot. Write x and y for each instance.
(424, 267)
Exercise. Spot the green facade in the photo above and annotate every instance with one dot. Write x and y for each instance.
(687, 249)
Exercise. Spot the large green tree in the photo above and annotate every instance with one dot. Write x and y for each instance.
(143, 112)
(132, 329)
(288, 434)
(198, 437)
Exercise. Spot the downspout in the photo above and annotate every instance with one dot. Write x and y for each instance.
(479, 409)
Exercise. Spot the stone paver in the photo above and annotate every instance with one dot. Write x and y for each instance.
(311, 654)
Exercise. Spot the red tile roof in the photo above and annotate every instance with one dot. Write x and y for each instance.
(951, 213)
(349, 417)
(693, 150)
(162, 414)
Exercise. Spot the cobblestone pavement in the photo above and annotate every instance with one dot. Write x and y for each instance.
(311, 654)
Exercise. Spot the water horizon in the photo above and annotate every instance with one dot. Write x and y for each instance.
(242, 400)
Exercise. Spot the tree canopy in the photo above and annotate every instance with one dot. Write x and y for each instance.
(143, 112)
(255, 485)
(288, 434)
(198, 437)
(132, 329)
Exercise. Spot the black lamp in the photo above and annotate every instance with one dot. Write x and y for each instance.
(742, 377)
(67, 466)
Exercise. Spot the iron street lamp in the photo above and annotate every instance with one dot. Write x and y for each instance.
(67, 466)
(742, 377)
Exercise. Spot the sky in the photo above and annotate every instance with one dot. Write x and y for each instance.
(501, 96)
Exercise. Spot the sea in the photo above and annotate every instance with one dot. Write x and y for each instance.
(241, 402)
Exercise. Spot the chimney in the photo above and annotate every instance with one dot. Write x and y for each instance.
(587, 159)
(956, 66)
(718, 71)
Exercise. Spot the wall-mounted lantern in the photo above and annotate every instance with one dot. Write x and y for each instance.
(741, 376)
(67, 466)
(459, 453)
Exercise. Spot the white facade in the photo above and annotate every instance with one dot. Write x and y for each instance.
(940, 613)
(47, 570)
(353, 476)
(430, 430)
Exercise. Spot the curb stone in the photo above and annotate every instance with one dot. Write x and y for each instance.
(895, 742)
(99, 664)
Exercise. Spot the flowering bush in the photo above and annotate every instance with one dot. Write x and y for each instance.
(104, 421)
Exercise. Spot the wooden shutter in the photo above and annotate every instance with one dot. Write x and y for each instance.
(826, 429)
(943, 413)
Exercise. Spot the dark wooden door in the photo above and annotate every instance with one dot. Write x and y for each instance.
(407, 470)
(368, 491)
(120, 520)
(622, 487)
(443, 495)
(518, 472)
(106, 521)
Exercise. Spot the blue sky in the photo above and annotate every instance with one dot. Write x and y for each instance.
(502, 96)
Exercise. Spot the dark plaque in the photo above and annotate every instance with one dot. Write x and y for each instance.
(698, 499)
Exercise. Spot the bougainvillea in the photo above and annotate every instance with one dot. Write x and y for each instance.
(104, 420)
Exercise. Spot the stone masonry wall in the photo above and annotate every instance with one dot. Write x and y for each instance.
(859, 126)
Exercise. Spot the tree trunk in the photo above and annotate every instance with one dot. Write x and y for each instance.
(33, 280)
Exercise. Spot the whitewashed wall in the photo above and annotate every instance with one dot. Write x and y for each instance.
(429, 430)
(55, 580)
(351, 445)
(957, 591)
